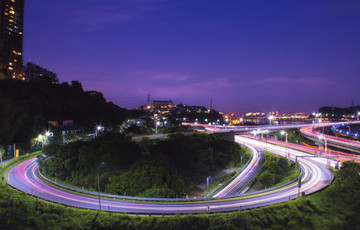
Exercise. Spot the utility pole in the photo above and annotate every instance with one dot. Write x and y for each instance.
(98, 179)
(207, 184)
(299, 186)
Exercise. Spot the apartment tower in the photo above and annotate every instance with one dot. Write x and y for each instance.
(11, 39)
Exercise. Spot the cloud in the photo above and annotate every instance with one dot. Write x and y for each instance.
(177, 78)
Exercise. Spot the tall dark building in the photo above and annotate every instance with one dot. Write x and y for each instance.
(11, 38)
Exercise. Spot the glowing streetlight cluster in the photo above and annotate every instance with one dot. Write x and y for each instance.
(98, 129)
(43, 138)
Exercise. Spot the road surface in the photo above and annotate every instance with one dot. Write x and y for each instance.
(315, 177)
(245, 177)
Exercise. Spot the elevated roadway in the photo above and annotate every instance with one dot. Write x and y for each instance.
(338, 142)
(341, 156)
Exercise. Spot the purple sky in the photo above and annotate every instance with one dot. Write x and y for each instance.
(248, 55)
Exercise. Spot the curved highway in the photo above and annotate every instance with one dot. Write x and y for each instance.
(246, 175)
(311, 149)
(338, 142)
(316, 176)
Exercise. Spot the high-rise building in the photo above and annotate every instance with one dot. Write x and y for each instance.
(35, 71)
(11, 38)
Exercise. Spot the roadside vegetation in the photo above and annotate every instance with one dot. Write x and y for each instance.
(149, 128)
(221, 182)
(336, 207)
(275, 171)
(148, 168)
(294, 137)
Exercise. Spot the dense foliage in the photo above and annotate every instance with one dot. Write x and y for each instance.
(165, 167)
(273, 170)
(334, 208)
(295, 137)
(149, 128)
(27, 106)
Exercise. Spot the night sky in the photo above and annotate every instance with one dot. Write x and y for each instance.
(247, 55)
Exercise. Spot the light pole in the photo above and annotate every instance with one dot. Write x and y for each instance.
(98, 129)
(325, 140)
(358, 115)
(49, 134)
(156, 127)
(286, 141)
(319, 115)
(98, 180)
(41, 138)
(267, 136)
(207, 184)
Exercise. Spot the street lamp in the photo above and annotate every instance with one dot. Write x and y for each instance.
(318, 115)
(286, 140)
(267, 136)
(207, 184)
(98, 179)
(41, 138)
(156, 127)
(325, 140)
(49, 134)
(98, 129)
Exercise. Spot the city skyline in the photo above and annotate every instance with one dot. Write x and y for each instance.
(246, 56)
